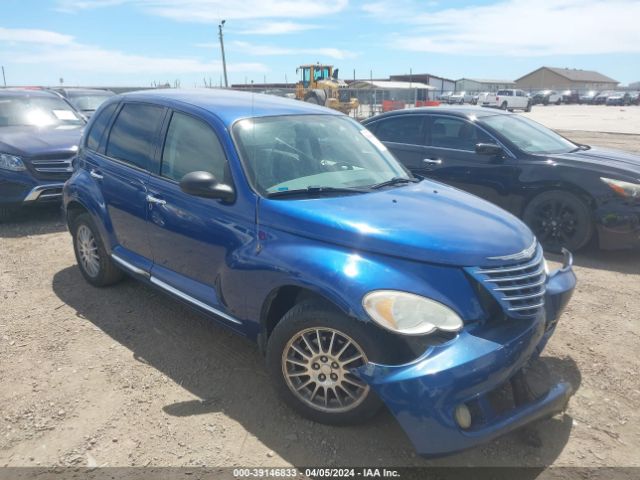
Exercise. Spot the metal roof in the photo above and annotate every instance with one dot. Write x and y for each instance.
(485, 80)
(390, 84)
(576, 75)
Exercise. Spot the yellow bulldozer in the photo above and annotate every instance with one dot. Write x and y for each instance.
(319, 84)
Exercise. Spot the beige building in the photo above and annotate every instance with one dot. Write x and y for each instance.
(548, 78)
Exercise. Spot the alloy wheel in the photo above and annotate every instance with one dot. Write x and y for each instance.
(317, 364)
(556, 223)
(88, 250)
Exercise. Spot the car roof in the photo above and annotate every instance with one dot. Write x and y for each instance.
(229, 105)
(26, 92)
(461, 111)
(85, 91)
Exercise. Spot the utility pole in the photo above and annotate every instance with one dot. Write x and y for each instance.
(224, 62)
(4, 79)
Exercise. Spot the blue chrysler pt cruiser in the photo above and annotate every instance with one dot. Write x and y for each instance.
(294, 226)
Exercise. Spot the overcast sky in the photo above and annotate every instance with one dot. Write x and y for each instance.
(136, 42)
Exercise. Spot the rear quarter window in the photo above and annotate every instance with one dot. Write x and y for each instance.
(134, 134)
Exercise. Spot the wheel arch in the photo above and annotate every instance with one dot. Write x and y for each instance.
(73, 209)
(564, 186)
(282, 299)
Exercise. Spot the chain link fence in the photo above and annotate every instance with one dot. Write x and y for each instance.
(370, 101)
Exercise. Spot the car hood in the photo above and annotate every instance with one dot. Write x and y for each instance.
(605, 160)
(427, 221)
(31, 141)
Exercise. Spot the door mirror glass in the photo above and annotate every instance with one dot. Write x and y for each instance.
(490, 149)
(204, 184)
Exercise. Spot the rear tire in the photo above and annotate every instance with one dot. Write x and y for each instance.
(528, 107)
(95, 264)
(321, 333)
(504, 106)
(560, 220)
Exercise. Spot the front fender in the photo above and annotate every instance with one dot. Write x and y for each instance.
(343, 276)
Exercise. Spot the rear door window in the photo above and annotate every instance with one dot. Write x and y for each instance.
(456, 133)
(408, 129)
(134, 134)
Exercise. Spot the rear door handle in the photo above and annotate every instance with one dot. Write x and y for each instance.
(95, 174)
(432, 161)
(155, 200)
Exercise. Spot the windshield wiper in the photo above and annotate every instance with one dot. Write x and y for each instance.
(394, 181)
(315, 190)
(581, 147)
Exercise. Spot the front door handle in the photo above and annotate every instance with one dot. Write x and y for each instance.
(432, 161)
(157, 201)
(96, 174)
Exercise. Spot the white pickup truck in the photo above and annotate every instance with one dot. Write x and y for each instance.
(508, 99)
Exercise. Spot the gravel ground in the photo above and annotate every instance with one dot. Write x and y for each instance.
(126, 376)
(593, 118)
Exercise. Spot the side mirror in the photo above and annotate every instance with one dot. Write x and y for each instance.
(204, 184)
(490, 149)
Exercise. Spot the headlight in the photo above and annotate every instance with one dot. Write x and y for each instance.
(624, 189)
(409, 314)
(11, 162)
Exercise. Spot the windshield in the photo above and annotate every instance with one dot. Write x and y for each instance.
(89, 102)
(528, 135)
(36, 111)
(297, 152)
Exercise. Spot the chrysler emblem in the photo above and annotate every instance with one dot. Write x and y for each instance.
(523, 255)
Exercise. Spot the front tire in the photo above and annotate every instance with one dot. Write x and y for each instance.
(95, 264)
(560, 220)
(528, 107)
(311, 355)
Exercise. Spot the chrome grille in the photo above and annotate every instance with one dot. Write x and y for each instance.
(519, 288)
(53, 165)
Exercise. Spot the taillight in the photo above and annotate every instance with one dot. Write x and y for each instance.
(497, 99)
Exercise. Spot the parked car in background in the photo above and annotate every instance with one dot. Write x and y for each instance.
(634, 97)
(619, 98)
(509, 99)
(294, 226)
(546, 97)
(481, 97)
(570, 96)
(85, 100)
(566, 192)
(460, 98)
(588, 97)
(39, 135)
(444, 97)
(601, 98)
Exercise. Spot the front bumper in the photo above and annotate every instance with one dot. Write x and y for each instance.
(21, 188)
(618, 226)
(424, 394)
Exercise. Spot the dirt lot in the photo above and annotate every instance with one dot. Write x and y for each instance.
(126, 376)
(592, 118)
